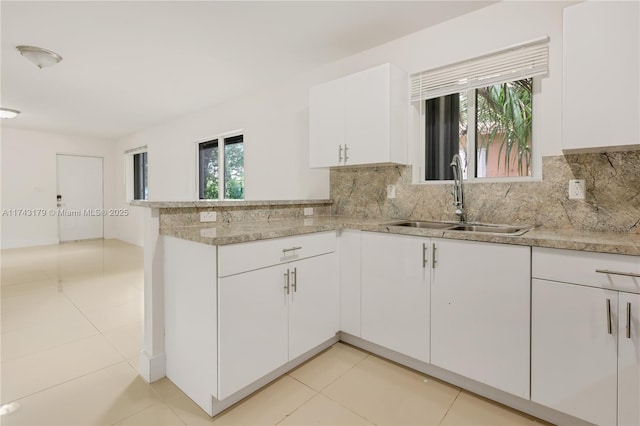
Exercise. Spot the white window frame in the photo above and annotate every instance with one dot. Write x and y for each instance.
(221, 164)
(536, 157)
(524, 60)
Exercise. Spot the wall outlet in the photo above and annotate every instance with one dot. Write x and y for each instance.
(208, 216)
(308, 211)
(577, 189)
(391, 191)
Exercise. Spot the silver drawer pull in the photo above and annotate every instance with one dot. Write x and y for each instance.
(291, 249)
(609, 326)
(286, 281)
(628, 320)
(424, 255)
(624, 274)
(433, 256)
(339, 154)
(294, 285)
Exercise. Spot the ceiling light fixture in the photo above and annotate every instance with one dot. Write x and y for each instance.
(38, 56)
(8, 113)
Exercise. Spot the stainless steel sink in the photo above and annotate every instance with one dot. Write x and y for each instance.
(494, 229)
(423, 224)
(464, 227)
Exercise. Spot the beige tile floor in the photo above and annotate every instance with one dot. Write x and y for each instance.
(71, 322)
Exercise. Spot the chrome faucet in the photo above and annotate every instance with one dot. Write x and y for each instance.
(458, 194)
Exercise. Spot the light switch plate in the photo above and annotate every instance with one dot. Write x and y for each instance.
(208, 216)
(577, 189)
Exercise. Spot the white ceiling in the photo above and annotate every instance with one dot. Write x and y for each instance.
(129, 65)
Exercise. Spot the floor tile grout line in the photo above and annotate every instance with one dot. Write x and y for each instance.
(450, 406)
(67, 381)
(299, 406)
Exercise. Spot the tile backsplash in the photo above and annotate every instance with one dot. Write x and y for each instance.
(612, 200)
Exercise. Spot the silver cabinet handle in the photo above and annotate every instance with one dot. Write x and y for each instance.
(624, 274)
(286, 281)
(424, 255)
(346, 157)
(628, 320)
(339, 154)
(609, 326)
(291, 249)
(294, 275)
(433, 256)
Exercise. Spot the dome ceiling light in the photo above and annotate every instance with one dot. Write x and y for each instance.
(8, 113)
(38, 56)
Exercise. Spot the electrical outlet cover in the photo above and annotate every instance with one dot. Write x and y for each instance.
(208, 216)
(577, 189)
(391, 191)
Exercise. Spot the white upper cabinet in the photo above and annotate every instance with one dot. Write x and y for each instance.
(359, 119)
(601, 76)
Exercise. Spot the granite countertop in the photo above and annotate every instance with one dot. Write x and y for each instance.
(239, 232)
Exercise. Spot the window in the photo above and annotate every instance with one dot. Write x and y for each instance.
(227, 162)
(481, 109)
(496, 135)
(140, 176)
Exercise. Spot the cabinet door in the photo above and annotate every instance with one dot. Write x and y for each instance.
(350, 282)
(480, 299)
(629, 360)
(190, 318)
(367, 110)
(326, 123)
(314, 309)
(395, 293)
(600, 84)
(252, 327)
(573, 355)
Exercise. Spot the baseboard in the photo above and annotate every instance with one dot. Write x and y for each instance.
(152, 368)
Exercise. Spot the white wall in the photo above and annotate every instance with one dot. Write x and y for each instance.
(29, 182)
(275, 120)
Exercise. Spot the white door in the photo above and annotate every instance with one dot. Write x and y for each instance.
(395, 293)
(79, 197)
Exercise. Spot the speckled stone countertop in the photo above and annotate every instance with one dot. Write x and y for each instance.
(239, 232)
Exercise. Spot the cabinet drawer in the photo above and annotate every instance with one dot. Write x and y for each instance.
(579, 267)
(237, 258)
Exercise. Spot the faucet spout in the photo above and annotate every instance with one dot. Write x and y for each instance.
(458, 193)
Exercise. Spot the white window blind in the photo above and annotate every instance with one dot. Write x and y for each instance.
(512, 63)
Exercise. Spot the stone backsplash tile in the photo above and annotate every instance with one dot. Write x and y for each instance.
(612, 201)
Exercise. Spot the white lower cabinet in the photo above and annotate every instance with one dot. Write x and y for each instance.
(190, 318)
(395, 293)
(480, 304)
(349, 266)
(574, 359)
(270, 316)
(585, 357)
(629, 358)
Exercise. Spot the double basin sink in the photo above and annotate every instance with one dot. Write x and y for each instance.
(463, 226)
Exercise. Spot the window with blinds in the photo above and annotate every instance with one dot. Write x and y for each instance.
(482, 110)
